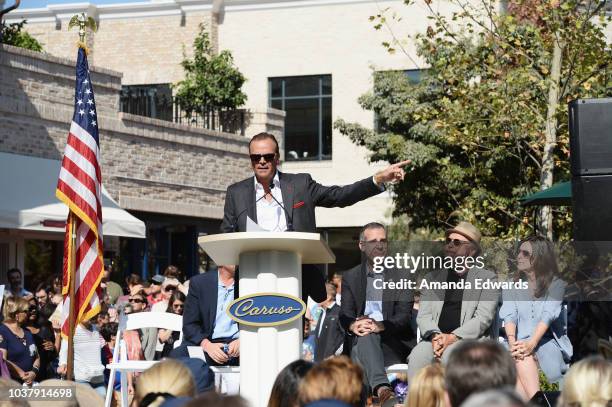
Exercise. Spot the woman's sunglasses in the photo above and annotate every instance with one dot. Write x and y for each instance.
(136, 300)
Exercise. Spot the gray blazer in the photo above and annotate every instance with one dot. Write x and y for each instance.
(478, 308)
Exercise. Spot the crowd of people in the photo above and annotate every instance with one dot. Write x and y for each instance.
(457, 352)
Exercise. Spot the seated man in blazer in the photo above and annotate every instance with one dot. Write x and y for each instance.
(448, 316)
(205, 322)
(376, 320)
(329, 335)
(286, 202)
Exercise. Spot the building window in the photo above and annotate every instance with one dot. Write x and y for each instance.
(307, 101)
(154, 101)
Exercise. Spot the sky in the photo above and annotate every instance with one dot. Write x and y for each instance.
(44, 3)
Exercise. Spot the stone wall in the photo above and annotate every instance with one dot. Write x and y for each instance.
(147, 164)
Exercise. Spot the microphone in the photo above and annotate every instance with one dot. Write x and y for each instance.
(290, 220)
(235, 224)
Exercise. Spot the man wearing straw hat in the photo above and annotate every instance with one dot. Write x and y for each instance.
(448, 315)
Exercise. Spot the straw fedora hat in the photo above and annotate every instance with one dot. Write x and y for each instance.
(467, 230)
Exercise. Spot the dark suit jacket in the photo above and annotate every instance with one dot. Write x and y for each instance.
(201, 308)
(397, 338)
(331, 334)
(301, 194)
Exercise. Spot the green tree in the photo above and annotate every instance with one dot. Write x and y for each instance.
(211, 80)
(14, 34)
(487, 122)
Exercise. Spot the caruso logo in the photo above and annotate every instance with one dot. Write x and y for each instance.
(266, 309)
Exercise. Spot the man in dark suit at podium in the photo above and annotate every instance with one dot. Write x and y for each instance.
(281, 202)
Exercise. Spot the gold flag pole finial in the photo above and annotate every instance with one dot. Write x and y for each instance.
(82, 21)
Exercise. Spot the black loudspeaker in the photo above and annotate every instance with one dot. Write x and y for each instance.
(592, 207)
(545, 399)
(590, 127)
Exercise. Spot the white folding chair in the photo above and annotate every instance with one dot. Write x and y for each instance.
(121, 364)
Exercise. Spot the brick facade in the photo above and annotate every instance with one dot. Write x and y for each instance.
(147, 165)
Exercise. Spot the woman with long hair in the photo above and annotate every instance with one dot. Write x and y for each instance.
(534, 319)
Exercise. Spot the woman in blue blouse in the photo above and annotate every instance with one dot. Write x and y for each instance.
(17, 344)
(534, 319)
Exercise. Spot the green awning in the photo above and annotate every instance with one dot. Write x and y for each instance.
(560, 194)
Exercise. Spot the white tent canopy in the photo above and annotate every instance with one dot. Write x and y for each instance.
(28, 202)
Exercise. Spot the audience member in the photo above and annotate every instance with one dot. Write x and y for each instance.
(44, 337)
(88, 368)
(495, 398)
(427, 387)
(477, 366)
(113, 289)
(378, 329)
(15, 288)
(168, 287)
(446, 317)
(134, 285)
(285, 389)
(205, 320)
(17, 343)
(588, 383)
(102, 318)
(336, 378)
(155, 292)
(173, 272)
(534, 322)
(41, 294)
(328, 332)
(163, 381)
(166, 337)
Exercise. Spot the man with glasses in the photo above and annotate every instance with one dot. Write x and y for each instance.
(448, 315)
(281, 202)
(377, 321)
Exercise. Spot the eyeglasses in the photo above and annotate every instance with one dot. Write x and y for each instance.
(137, 300)
(523, 253)
(382, 242)
(255, 158)
(456, 242)
(170, 288)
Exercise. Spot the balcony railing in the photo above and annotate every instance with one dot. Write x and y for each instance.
(150, 102)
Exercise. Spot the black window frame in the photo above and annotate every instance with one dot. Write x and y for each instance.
(320, 96)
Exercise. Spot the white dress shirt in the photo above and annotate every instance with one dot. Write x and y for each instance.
(270, 216)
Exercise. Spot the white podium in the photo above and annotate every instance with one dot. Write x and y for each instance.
(270, 262)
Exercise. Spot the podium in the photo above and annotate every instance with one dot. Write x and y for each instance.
(270, 262)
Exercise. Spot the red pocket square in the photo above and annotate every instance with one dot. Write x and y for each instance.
(298, 204)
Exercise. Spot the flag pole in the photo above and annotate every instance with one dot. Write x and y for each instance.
(71, 316)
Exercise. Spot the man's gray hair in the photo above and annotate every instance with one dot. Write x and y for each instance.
(371, 225)
(495, 398)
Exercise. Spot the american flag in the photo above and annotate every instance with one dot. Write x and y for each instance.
(79, 186)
